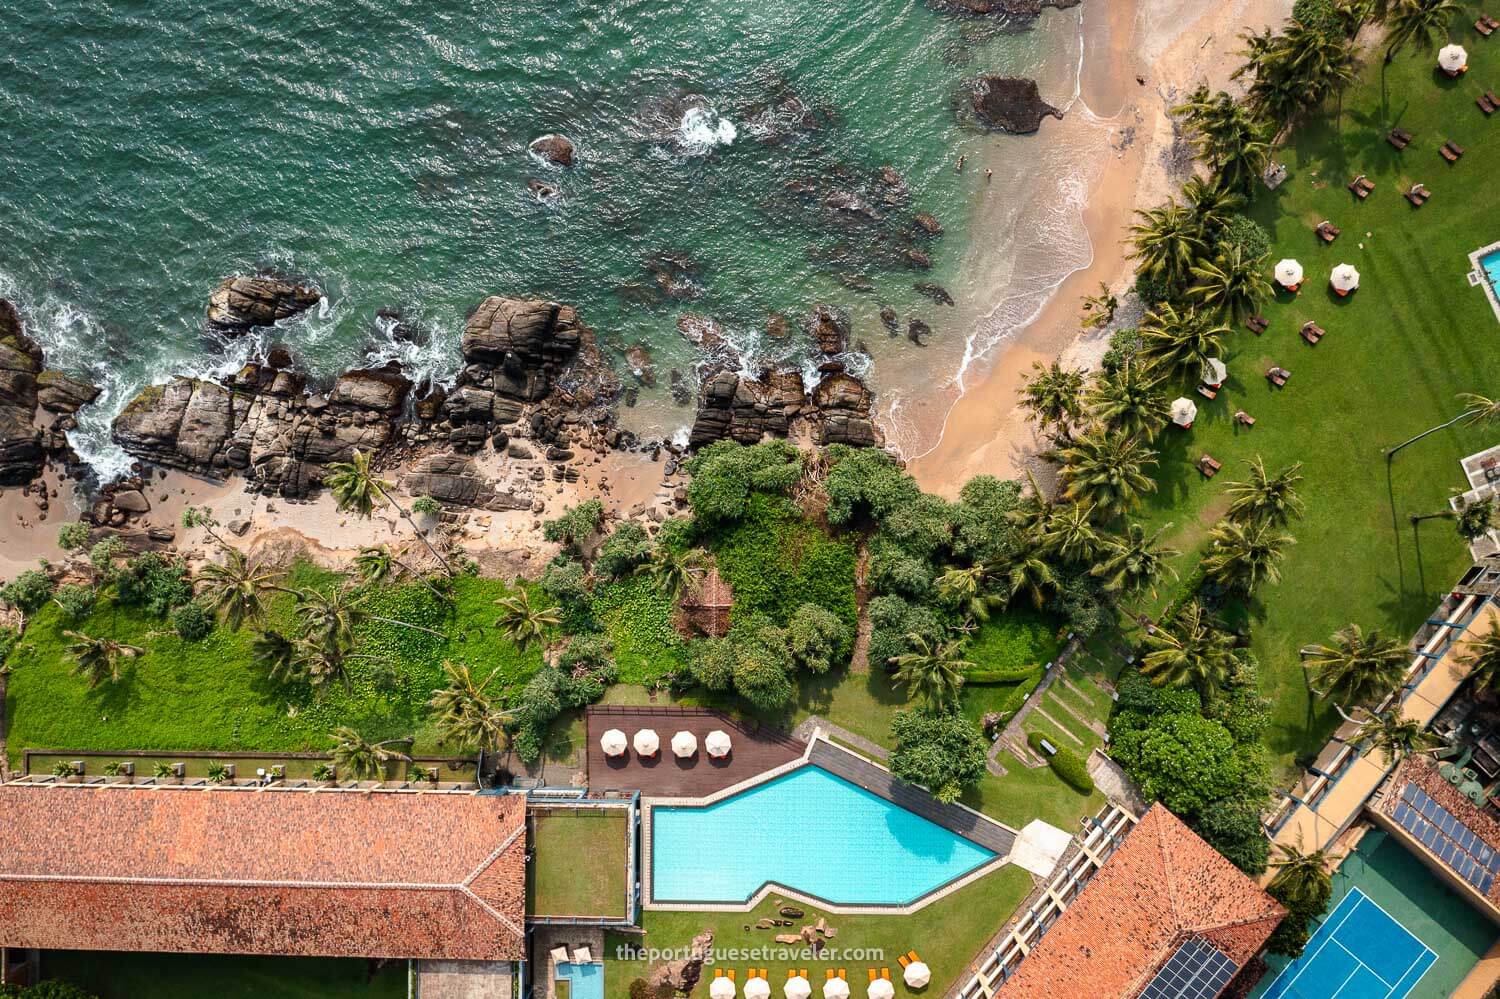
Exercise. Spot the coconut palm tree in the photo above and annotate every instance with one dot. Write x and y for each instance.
(330, 618)
(522, 621)
(1106, 471)
(1192, 651)
(1395, 736)
(1302, 879)
(359, 490)
(1229, 137)
(278, 656)
(1232, 283)
(1266, 498)
(1243, 555)
(1052, 396)
(234, 589)
(1099, 310)
(1482, 656)
(374, 564)
(1027, 572)
(1035, 513)
(1129, 400)
(1356, 667)
(933, 672)
(1418, 23)
(1173, 340)
(98, 659)
(672, 569)
(1134, 561)
(1073, 537)
(357, 757)
(467, 716)
(1165, 241)
(1297, 71)
(964, 588)
(1212, 203)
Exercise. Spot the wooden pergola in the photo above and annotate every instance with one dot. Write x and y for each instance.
(706, 604)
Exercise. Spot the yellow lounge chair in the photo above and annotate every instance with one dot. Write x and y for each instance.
(913, 956)
(903, 960)
(829, 976)
(803, 973)
(872, 974)
(843, 974)
(718, 972)
(885, 973)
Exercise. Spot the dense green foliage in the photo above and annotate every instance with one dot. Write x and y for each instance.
(726, 474)
(28, 591)
(943, 752)
(72, 536)
(192, 621)
(1065, 763)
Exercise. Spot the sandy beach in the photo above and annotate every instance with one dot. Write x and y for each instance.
(1173, 45)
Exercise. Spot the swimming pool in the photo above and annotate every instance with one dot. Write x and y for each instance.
(585, 981)
(808, 831)
(1490, 264)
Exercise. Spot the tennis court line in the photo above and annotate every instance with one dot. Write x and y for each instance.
(1308, 959)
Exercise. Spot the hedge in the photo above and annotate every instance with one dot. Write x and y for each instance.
(1013, 702)
(995, 676)
(1065, 763)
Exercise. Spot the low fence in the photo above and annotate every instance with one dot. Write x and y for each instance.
(194, 763)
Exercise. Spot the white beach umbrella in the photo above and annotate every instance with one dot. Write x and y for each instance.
(1453, 59)
(684, 744)
(1344, 278)
(1184, 412)
(1289, 273)
(646, 742)
(722, 988)
(717, 743)
(797, 987)
(881, 988)
(836, 988)
(613, 742)
(1214, 372)
(917, 974)
(757, 988)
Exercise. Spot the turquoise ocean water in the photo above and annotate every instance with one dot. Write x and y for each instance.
(379, 148)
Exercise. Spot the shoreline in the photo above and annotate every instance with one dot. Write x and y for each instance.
(984, 431)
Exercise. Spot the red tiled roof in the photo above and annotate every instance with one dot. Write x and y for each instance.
(270, 871)
(1161, 887)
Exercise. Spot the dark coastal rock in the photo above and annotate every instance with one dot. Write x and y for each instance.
(525, 341)
(381, 390)
(851, 204)
(555, 149)
(542, 191)
(641, 365)
(454, 479)
(59, 393)
(916, 330)
(936, 292)
(829, 329)
(676, 275)
(843, 404)
(927, 224)
(22, 454)
(735, 407)
(245, 302)
(916, 259)
(888, 320)
(1013, 8)
(1011, 104)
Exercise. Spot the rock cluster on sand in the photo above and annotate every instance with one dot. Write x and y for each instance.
(264, 424)
(1011, 104)
(247, 301)
(24, 384)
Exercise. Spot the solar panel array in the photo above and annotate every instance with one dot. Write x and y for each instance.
(1447, 838)
(1194, 971)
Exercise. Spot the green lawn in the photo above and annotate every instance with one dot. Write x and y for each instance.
(114, 975)
(1396, 355)
(209, 695)
(579, 863)
(946, 934)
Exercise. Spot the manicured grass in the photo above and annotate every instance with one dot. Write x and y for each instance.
(209, 695)
(1397, 353)
(123, 975)
(579, 863)
(946, 934)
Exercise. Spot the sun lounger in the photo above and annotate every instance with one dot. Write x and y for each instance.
(1207, 393)
(1361, 186)
(1242, 417)
(803, 972)
(559, 954)
(829, 975)
(582, 955)
(1485, 104)
(1327, 231)
(1400, 138)
(1418, 195)
(1451, 151)
(903, 960)
(1209, 466)
(913, 955)
(1257, 324)
(1489, 95)
(731, 974)
(885, 973)
(873, 974)
(1486, 25)
(1312, 332)
(843, 974)
(1278, 375)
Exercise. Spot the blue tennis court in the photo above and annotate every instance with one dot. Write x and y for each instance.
(1360, 952)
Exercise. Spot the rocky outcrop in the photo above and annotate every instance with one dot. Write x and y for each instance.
(829, 329)
(842, 403)
(1010, 103)
(21, 453)
(456, 480)
(245, 302)
(777, 404)
(61, 393)
(553, 148)
(516, 346)
(1013, 8)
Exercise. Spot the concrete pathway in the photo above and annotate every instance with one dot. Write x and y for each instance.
(804, 733)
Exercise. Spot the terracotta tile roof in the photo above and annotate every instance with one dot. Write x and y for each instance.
(1161, 887)
(356, 874)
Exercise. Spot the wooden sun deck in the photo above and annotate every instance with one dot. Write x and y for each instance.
(755, 751)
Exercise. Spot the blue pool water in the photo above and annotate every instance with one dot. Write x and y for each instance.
(585, 980)
(810, 831)
(1491, 264)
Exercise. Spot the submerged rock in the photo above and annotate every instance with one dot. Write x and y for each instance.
(829, 329)
(936, 292)
(554, 148)
(1011, 104)
(246, 302)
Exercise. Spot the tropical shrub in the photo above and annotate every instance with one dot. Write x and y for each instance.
(944, 753)
(775, 562)
(426, 506)
(218, 772)
(192, 621)
(865, 484)
(1066, 764)
(816, 637)
(726, 473)
(577, 524)
(626, 547)
(1245, 234)
(76, 600)
(71, 537)
(102, 556)
(28, 592)
(153, 582)
(565, 580)
(982, 530)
